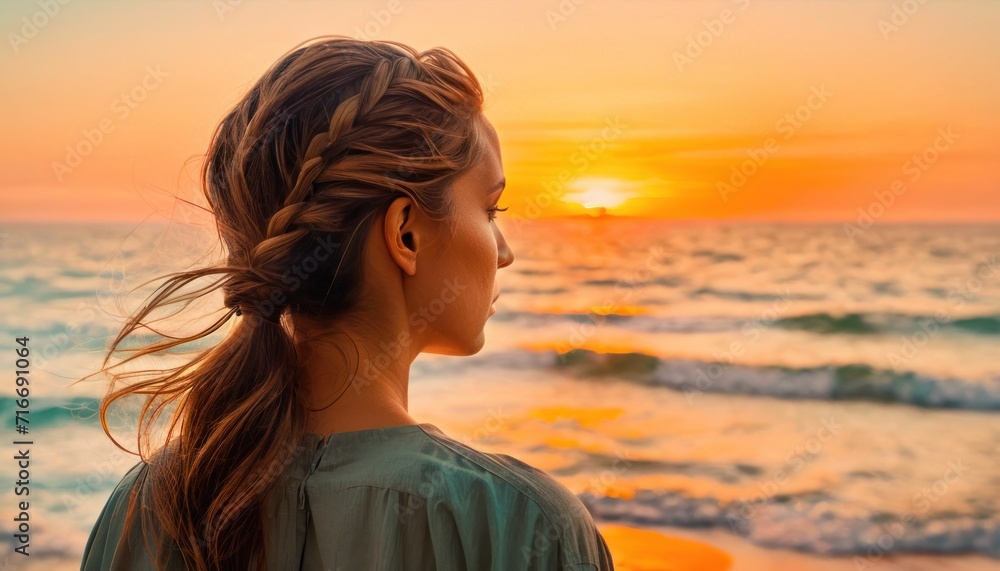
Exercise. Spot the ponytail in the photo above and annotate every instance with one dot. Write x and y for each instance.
(296, 175)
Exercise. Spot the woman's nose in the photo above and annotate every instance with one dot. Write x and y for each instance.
(505, 256)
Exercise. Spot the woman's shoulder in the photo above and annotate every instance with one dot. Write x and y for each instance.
(105, 548)
(476, 467)
(521, 493)
(502, 510)
(118, 542)
(110, 522)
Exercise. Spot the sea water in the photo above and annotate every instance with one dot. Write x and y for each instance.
(802, 386)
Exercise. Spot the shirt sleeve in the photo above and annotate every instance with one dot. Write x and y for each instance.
(485, 529)
(495, 526)
(104, 550)
(568, 524)
(524, 521)
(102, 545)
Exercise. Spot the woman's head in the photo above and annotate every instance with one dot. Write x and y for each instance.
(338, 140)
(353, 183)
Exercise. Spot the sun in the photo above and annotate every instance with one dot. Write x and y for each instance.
(598, 197)
(599, 194)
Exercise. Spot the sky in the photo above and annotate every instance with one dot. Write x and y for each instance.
(741, 110)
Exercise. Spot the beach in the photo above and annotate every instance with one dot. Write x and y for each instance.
(717, 550)
(731, 386)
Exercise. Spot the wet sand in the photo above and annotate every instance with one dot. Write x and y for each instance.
(677, 549)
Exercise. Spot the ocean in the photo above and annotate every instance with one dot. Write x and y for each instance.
(800, 387)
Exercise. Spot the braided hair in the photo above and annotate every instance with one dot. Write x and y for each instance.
(296, 174)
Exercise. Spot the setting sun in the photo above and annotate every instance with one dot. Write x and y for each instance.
(598, 193)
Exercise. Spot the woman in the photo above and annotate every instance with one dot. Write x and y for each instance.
(355, 188)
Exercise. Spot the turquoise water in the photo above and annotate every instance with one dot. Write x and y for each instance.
(790, 384)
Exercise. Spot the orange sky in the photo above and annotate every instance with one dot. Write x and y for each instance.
(641, 107)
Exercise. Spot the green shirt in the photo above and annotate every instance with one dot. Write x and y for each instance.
(402, 497)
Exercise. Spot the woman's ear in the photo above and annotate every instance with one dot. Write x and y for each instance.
(401, 234)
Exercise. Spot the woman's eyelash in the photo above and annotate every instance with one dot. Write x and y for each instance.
(493, 211)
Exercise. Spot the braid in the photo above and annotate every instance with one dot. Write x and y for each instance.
(344, 117)
(280, 237)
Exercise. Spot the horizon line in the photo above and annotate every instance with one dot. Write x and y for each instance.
(583, 217)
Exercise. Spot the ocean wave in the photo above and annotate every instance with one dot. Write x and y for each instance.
(830, 382)
(49, 412)
(868, 323)
(821, 323)
(643, 323)
(810, 522)
(750, 296)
